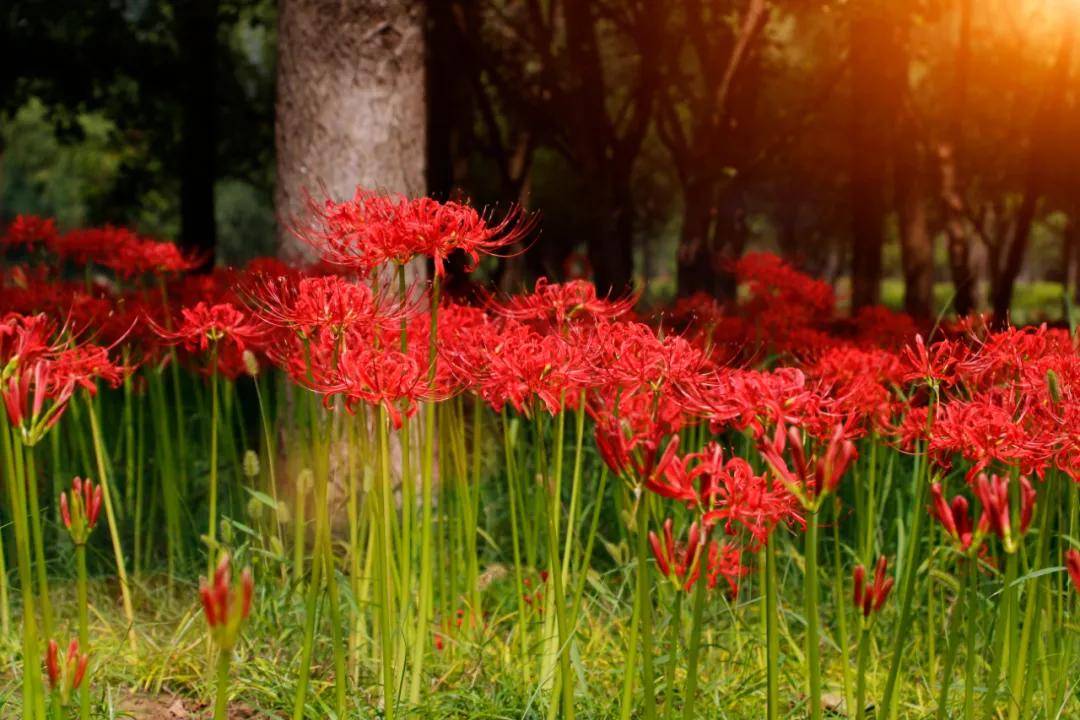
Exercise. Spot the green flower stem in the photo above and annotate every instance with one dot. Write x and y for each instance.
(629, 671)
(1019, 676)
(37, 534)
(643, 589)
(840, 599)
(387, 621)
(221, 701)
(1002, 636)
(951, 649)
(772, 634)
(972, 607)
(813, 649)
(426, 600)
(33, 694)
(674, 633)
(694, 651)
(863, 655)
(110, 518)
(555, 575)
(5, 606)
(211, 532)
(84, 625)
(907, 588)
(519, 586)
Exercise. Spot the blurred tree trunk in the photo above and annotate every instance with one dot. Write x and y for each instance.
(350, 102)
(870, 44)
(916, 242)
(604, 158)
(950, 157)
(707, 122)
(909, 188)
(1042, 149)
(196, 22)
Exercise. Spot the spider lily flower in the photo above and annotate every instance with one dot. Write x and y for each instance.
(374, 228)
(993, 494)
(870, 598)
(80, 514)
(226, 605)
(66, 670)
(808, 479)
(1072, 564)
(953, 516)
(682, 562)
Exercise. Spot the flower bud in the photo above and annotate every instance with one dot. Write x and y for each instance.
(251, 464)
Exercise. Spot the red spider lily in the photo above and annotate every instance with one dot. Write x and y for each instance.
(636, 458)
(525, 366)
(993, 494)
(992, 427)
(38, 384)
(1072, 565)
(376, 376)
(734, 495)
(328, 303)
(811, 478)
(936, 365)
(29, 230)
(953, 516)
(375, 228)
(871, 598)
(226, 605)
(725, 561)
(204, 325)
(65, 671)
(81, 514)
(678, 562)
(556, 304)
(123, 251)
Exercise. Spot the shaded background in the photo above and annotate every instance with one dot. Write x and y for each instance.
(920, 153)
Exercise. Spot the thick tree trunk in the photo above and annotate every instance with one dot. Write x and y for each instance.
(916, 242)
(197, 35)
(870, 38)
(350, 102)
(950, 158)
(610, 246)
(695, 253)
(1044, 128)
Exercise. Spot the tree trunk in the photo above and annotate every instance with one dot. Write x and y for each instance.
(1040, 158)
(610, 248)
(350, 102)
(870, 37)
(950, 158)
(695, 251)
(197, 37)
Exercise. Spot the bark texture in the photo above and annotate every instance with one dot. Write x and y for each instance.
(350, 102)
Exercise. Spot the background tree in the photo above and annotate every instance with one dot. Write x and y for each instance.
(350, 102)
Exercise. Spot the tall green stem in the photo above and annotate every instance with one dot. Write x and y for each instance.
(387, 622)
(860, 680)
(772, 634)
(690, 701)
(221, 701)
(84, 625)
(813, 649)
(211, 532)
(37, 534)
(33, 695)
(110, 518)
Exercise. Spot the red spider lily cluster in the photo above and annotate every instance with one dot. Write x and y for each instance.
(998, 401)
